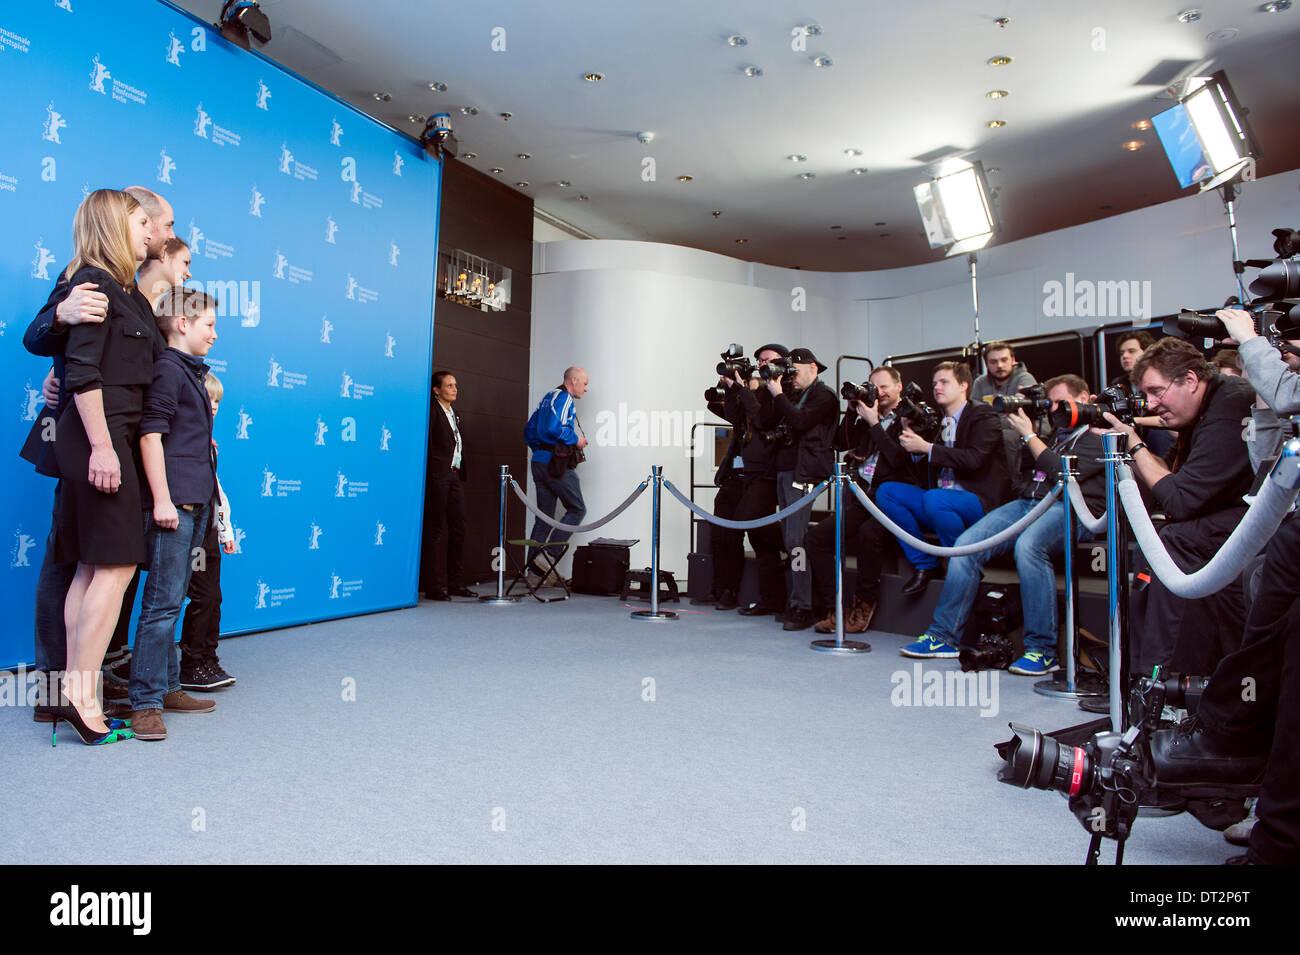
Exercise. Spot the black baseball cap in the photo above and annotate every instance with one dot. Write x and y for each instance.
(779, 349)
(803, 356)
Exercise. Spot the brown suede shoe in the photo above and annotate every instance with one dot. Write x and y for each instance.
(178, 701)
(859, 617)
(826, 625)
(149, 723)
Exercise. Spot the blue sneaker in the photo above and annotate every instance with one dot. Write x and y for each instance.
(1035, 663)
(928, 648)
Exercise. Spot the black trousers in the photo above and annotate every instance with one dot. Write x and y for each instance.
(202, 623)
(446, 503)
(1190, 636)
(1254, 698)
(862, 531)
(758, 499)
(727, 546)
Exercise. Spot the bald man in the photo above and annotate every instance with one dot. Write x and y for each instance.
(554, 436)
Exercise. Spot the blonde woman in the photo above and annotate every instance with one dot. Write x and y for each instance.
(108, 368)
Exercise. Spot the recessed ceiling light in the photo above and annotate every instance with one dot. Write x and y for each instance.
(1276, 6)
(524, 156)
(1189, 16)
(382, 97)
(997, 94)
(498, 170)
(522, 185)
(860, 170)
(438, 87)
(716, 213)
(996, 123)
(469, 155)
(807, 175)
(741, 241)
(505, 117)
(823, 61)
(753, 71)
(852, 152)
(811, 29)
(1142, 124)
(685, 178)
(469, 111)
(582, 198)
(797, 157)
(417, 118)
(999, 60)
(593, 77)
(1002, 21)
(736, 40)
(564, 184)
(1133, 145)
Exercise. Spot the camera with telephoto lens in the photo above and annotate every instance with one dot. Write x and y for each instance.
(867, 392)
(781, 435)
(1071, 414)
(781, 368)
(1276, 309)
(716, 393)
(1032, 399)
(734, 362)
(1109, 775)
(919, 414)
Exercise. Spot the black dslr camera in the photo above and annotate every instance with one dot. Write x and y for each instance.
(1032, 399)
(1276, 309)
(734, 362)
(1071, 414)
(781, 368)
(1109, 775)
(867, 392)
(919, 414)
(781, 436)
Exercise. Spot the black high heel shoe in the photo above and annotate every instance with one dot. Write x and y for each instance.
(88, 736)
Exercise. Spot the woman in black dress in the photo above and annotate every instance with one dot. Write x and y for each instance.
(108, 368)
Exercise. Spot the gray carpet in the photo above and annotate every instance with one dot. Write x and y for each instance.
(520, 734)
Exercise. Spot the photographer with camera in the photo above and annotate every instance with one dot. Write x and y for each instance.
(1034, 548)
(1274, 373)
(1005, 378)
(745, 469)
(965, 477)
(869, 433)
(1200, 493)
(1130, 347)
(808, 410)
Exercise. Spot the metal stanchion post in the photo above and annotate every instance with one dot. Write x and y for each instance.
(839, 644)
(1116, 582)
(500, 597)
(654, 613)
(1068, 688)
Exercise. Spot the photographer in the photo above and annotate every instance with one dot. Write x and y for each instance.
(758, 495)
(1005, 377)
(1033, 549)
(869, 433)
(745, 469)
(1274, 373)
(809, 411)
(966, 475)
(1200, 493)
(1130, 347)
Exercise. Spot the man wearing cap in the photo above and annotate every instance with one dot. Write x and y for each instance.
(810, 411)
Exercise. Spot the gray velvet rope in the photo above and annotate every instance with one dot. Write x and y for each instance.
(805, 501)
(1247, 539)
(963, 550)
(1092, 524)
(578, 528)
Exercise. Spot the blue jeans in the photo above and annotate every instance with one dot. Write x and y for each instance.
(793, 530)
(1033, 549)
(155, 668)
(946, 511)
(549, 490)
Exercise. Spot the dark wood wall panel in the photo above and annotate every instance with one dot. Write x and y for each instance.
(488, 352)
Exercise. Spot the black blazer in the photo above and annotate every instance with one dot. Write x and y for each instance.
(977, 457)
(892, 462)
(442, 442)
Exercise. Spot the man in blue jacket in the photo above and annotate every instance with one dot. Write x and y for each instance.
(555, 425)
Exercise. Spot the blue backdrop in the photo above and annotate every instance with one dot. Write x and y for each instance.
(315, 226)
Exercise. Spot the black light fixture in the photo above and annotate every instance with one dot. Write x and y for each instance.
(437, 139)
(241, 19)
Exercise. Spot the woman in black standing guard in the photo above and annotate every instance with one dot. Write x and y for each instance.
(108, 368)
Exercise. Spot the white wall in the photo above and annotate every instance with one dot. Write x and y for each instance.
(647, 320)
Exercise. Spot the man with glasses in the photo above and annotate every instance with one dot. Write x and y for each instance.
(1199, 490)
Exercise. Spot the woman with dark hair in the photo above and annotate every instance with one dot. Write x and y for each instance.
(109, 366)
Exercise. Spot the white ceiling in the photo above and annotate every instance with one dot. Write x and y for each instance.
(908, 78)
